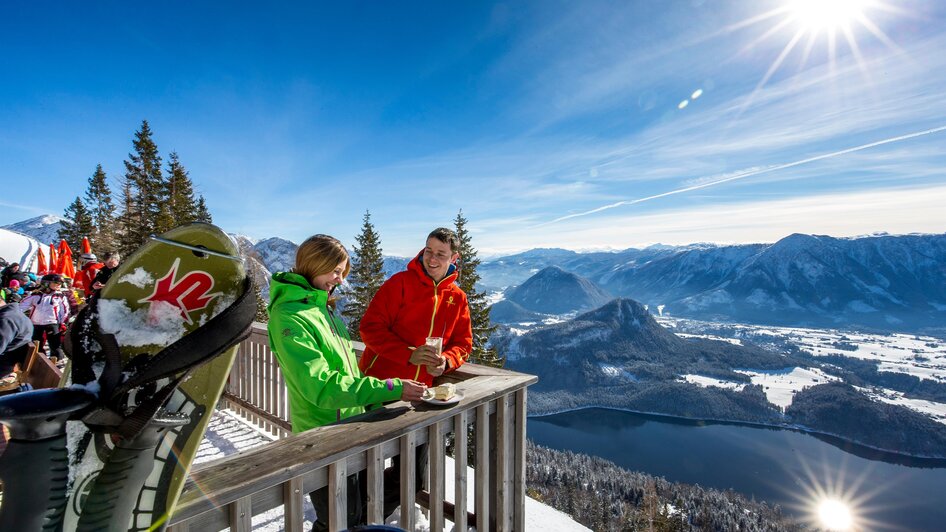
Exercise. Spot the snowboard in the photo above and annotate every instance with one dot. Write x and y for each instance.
(170, 287)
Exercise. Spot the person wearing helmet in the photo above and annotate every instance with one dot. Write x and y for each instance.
(89, 267)
(48, 309)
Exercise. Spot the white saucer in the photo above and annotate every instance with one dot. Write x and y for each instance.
(437, 402)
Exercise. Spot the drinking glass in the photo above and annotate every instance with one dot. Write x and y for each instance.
(436, 342)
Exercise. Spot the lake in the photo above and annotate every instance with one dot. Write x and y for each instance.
(890, 492)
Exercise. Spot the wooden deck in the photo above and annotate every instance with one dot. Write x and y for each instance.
(229, 492)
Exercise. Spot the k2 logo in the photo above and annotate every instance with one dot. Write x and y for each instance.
(190, 293)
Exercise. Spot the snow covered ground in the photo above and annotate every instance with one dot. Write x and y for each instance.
(920, 356)
(228, 433)
(17, 247)
(780, 386)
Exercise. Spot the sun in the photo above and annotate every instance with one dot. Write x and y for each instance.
(834, 514)
(818, 22)
(816, 16)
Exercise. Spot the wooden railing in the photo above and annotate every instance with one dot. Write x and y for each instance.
(230, 491)
(256, 389)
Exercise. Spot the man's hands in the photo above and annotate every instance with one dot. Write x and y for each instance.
(426, 355)
(436, 371)
(411, 390)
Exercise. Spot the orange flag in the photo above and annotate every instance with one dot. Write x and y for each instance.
(53, 259)
(41, 260)
(86, 247)
(66, 267)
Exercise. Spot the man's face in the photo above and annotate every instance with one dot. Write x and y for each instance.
(437, 258)
(112, 263)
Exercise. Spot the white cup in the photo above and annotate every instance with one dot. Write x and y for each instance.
(436, 342)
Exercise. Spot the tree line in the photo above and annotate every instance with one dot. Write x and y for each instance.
(367, 275)
(152, 200)
(606, 497)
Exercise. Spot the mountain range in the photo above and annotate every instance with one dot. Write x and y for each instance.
(883, 282)
(880, 282)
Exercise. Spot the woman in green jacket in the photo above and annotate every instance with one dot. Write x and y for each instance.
(315, 353)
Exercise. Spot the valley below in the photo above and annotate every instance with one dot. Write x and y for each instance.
(881, 391)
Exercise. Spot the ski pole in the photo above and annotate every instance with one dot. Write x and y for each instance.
(35, 465)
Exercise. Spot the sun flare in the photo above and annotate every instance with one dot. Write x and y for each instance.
(826, 15)
(834, 514)
(811, 24)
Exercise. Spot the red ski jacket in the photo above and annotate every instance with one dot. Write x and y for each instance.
(407, 309)
(84, 278)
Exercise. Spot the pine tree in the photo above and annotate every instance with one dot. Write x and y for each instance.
(180, 193)
(482, 353)
(203, 215)
(77, 224)
(126, 218)
(144, 182)
(366, 277)
(98, 197)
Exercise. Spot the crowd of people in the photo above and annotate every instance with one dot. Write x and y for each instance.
(325, 380)
(40, 307)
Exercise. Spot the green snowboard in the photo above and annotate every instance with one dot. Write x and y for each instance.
(168, 289)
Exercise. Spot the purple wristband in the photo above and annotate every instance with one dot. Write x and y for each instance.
(390, 384)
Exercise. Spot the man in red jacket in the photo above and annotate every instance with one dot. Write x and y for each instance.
(90, 266)
(420, 302)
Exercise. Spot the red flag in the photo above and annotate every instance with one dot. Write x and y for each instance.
(41, 260)
(66, 267)
(86, 247)
(53, 259)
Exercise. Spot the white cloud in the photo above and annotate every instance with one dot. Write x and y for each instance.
(894, 210)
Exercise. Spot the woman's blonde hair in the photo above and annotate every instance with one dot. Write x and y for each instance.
(318, 255)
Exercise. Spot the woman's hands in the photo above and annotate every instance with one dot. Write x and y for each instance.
(412, 390)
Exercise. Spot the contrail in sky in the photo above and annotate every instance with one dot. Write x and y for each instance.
(748, 173)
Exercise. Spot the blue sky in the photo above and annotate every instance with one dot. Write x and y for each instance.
(551, 124)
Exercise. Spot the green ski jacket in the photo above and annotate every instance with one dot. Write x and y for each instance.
(316, 357)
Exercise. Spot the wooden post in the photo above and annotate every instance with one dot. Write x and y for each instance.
(504, 466)
(375, 473)
(482, 473)
(519, 472)
(436, 459)
(459, 459)
(408, 476)
(293, 504)
(338, 495)
(241, 515)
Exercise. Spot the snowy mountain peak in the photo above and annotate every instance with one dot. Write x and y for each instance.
(556, 291)
(44, 228)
